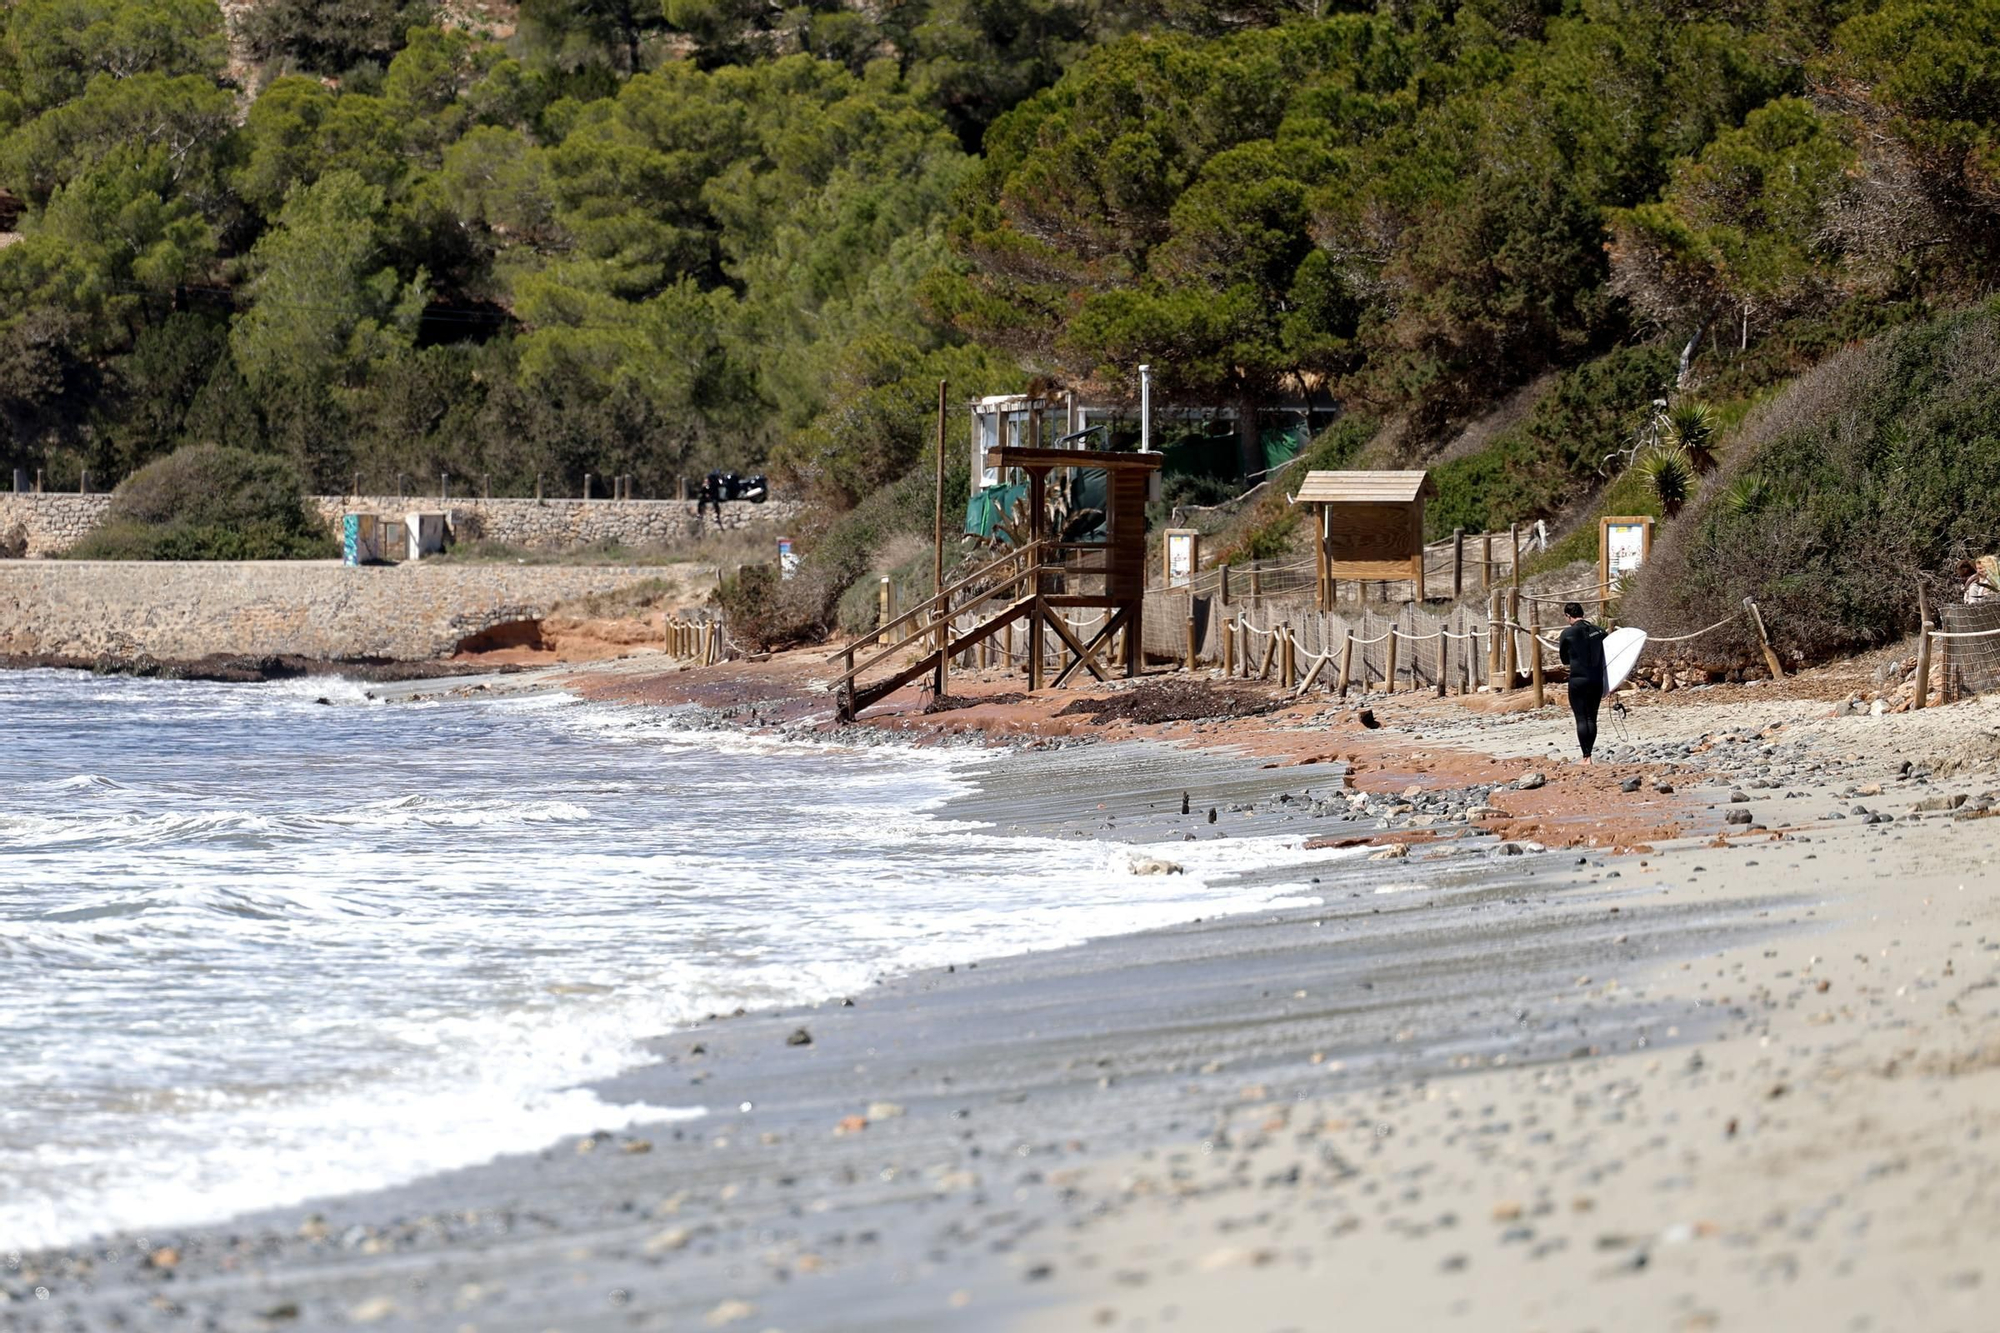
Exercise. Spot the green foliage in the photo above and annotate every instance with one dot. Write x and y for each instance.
(1555, 456)
(55, 47)
(207, 502)
(1671, 476)
(1877, 469)
(654, 238)
(331, 36)
(1691, 428)
(327, 308)
(1743, 222)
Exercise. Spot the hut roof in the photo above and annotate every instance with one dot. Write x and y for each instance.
(1364, 487)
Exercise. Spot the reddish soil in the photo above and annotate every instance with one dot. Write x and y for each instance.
(1576, 807)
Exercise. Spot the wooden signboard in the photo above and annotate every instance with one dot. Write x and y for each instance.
(1623, 546)
(1181, 556)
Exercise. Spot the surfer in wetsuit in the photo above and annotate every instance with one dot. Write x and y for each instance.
(1582, 646)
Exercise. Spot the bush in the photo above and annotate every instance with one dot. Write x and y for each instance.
(1877, 470)
(1540, 468)
(207, 502)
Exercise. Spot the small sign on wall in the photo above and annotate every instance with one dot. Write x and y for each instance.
(1182, 556)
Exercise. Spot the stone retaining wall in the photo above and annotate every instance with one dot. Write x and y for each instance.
(51, 523)
(408, 612)
(38, 525)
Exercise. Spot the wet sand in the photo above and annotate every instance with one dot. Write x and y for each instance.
(1741, 1078)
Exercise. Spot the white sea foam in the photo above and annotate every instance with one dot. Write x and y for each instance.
(281, 950)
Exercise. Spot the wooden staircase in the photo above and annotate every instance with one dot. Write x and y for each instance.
(1030, 584)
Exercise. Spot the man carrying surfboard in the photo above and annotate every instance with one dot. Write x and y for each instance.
(1582, 646)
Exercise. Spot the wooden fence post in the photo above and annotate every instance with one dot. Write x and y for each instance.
(1514, 570)
(1389, 664)
(1457, 563)
(1485, 561)
(1191, 645)
(1444, 661)
(1770, 655)
(1513, 637)
(1346, 661)
(1535, 653)
(1923, 687)
(1229, 640)
(1224, 590)
(1290, 669)
(1492, 638)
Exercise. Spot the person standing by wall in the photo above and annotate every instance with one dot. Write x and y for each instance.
(1582, 646)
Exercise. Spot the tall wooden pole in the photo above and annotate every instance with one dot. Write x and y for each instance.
(941, 682)
(937, 555)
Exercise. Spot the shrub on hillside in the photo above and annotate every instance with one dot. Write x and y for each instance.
(1877, 470)
(1551, 460)
(207, 502)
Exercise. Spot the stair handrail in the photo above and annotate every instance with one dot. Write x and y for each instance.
(918, 636)
(970, 579)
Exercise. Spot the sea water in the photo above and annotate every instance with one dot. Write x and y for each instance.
(265, 943)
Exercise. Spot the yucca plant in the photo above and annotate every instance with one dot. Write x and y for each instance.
(1746, 495)
(1691, 427)
(1672, 477)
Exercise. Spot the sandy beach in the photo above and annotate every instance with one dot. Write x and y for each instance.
(1698, 1038)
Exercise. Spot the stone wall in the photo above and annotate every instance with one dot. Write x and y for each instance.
(408, 612)
(51, 523)
(572, 525)
(47, 524)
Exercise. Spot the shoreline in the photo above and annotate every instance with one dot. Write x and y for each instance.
(1096, 1003)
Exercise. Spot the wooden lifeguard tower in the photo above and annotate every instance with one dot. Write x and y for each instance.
(1037, 582)
(1369, 525)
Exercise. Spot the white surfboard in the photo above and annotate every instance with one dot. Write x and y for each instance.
(1621, 654)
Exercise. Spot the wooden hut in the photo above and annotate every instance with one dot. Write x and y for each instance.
(1370, 526)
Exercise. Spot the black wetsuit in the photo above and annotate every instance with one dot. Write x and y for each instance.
(1582, 646)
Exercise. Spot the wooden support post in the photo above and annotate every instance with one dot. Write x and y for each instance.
(1535, 654)
(1457, 563)
(942, 688)
(1346, 662)
(1270, 651)
(586, 485)
(1444, 661)
(538, 488)
(1037, 644)
(1770, 654)
(1485, 561)
(1228, 640)
(1256, 588)
(1291, 660)
(1225, 585)
(1389, 663)
(1190, 648)
(1921, 697)
(1514, 570)
(1007, 644)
